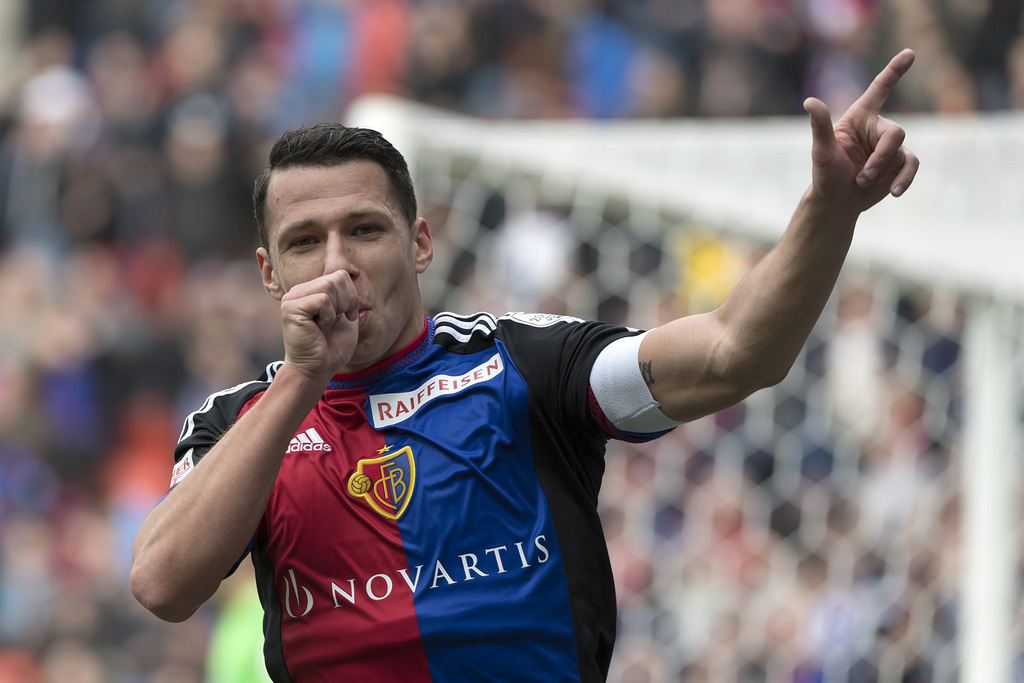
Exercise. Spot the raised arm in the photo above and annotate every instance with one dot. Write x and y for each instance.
(704, 363)
(189, 542)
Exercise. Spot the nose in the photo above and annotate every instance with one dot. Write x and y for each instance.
(339, 256)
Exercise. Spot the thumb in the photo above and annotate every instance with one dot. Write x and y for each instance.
(822, 134)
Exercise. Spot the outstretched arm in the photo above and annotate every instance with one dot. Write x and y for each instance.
(704, 363)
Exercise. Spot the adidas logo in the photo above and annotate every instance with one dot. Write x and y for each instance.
(308, 440)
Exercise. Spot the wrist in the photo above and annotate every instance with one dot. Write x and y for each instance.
(301, 383)
(821, 207)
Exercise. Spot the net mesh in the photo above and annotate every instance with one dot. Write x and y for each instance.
(811, 533)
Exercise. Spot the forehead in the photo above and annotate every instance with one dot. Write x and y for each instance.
(327, 193)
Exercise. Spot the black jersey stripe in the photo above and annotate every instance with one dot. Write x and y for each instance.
(190, 421)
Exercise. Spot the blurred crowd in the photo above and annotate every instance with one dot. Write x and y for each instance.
(130, 134)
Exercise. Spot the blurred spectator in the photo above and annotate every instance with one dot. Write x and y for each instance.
(55, 123)
(599, 54)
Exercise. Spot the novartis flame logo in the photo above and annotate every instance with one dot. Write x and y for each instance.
(385, 482)
(292, 588)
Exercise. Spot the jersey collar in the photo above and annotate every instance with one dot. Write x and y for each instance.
(397, 361)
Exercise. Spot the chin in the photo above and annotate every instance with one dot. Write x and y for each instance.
(365, 356)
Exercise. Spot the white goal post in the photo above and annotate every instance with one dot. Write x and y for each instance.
(959, 228)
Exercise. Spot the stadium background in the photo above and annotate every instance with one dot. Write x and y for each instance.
(811, 534)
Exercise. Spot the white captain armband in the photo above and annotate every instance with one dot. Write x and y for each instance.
(621, 391)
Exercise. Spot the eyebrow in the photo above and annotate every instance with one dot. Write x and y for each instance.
(286, 231)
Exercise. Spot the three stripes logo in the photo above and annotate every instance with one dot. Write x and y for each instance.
(308, 441)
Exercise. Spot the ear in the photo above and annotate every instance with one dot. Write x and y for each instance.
(270, 281)
(423, 244)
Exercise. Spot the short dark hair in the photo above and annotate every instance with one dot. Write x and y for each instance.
(331, 144)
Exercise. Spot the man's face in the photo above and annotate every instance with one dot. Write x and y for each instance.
(344, 217)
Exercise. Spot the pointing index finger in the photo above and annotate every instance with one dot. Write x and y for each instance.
(876, 94)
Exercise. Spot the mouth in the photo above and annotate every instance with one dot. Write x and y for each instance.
(364, 313)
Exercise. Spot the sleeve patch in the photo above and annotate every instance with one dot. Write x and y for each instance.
(182, 468)
(541, 319)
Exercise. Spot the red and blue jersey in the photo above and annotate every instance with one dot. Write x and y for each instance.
(435, 517)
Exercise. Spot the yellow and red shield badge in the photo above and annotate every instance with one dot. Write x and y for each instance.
(385, 482)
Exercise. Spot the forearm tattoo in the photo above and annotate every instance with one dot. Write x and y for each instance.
(646, 372)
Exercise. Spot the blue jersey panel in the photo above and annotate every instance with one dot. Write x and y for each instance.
(489, 583)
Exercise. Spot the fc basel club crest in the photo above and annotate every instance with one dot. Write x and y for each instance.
(387, 482)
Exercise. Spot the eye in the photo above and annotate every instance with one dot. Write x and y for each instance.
(304, 241)
(366, 229)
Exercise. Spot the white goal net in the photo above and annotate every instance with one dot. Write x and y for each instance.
(856, 522)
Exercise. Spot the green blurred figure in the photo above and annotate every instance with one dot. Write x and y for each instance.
(235, 654)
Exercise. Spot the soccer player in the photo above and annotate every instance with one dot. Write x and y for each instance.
(419, 495)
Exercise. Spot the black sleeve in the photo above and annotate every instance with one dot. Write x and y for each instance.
(204, 427)
(555, 355)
